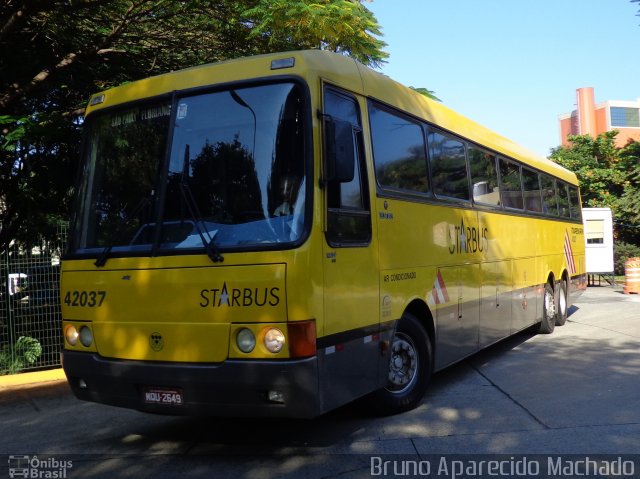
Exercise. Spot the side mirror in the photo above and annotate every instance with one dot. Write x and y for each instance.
(339, 150)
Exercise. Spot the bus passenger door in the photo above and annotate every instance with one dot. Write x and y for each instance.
(350, 357)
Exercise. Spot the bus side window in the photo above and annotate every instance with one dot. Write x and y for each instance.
(484, 177)
(348, 215)
(511, 186)
(574, 199)
(398, 151)
(448, 166)
(563, 199)
(532, 195)
(549, 198)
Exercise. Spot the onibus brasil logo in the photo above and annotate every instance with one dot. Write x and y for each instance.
(37, 468)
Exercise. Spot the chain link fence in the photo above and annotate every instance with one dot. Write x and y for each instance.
(30, 316)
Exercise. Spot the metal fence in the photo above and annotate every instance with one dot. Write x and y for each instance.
(30, 316)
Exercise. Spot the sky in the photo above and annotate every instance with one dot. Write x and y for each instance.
(514, 65)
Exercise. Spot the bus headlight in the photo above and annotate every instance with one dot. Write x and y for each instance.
(71, 335)
(274, 340)
(86, 336)
(245, 340)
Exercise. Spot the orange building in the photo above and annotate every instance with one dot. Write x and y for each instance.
(591, 119)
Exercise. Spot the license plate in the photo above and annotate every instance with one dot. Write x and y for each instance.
(171, 397)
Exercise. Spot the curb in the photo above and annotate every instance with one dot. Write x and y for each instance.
(34, 379)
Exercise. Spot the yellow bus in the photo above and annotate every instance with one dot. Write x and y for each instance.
(282, 234)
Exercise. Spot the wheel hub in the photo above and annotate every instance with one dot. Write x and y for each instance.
(404, 362)
(549, 304)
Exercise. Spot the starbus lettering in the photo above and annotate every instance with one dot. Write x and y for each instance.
(239, 297)
(468, 239)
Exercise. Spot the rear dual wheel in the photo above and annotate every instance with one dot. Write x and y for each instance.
(561, 303)
(554, 307)
(548, 323)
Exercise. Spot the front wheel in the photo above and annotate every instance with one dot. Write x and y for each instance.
(410, 367)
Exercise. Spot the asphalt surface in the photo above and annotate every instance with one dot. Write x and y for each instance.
(573, 392)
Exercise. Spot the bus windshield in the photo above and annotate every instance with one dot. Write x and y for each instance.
(235, 175)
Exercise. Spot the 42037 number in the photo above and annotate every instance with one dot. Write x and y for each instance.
(91, 299)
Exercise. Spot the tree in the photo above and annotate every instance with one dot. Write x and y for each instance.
(343, 26)
(629, 204)
(609, 177)
(56, 53)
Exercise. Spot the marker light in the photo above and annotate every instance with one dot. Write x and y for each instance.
(275, 396)
(86, 336)
(96, 100)
(71, 335)
(283, 63)
(245, 340)
(274, 340)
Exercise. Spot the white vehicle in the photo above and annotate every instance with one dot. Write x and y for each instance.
(598, 233)
(17, 283)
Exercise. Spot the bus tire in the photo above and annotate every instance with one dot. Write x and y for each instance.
(561, 305)
(548, 323)
(410, 368)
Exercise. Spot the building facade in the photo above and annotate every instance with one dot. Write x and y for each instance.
(592, 119)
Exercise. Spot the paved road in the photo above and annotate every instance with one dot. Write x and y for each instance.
(573, 392)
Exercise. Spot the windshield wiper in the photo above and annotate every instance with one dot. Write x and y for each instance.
(103, 257)
(209, 245)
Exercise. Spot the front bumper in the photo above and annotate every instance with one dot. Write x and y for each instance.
(230, 388)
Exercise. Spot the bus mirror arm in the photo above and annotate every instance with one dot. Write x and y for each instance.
(339, 150)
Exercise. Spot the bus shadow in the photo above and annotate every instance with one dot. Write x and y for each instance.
(462, 399)
(212, 435)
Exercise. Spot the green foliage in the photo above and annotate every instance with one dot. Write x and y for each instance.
(621, 252)
(343, 26)
(25, 352)
(609, 177)
(55, 55)
(14, 129)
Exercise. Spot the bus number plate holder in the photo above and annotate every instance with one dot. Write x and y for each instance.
(163, 396)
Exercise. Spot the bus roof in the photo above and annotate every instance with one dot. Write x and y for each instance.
(334, 68)
(383, 88)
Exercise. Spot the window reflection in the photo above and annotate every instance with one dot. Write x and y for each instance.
(236, 173)
(399, 151)
(448, 166)
(122, 160)
(511, 190)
